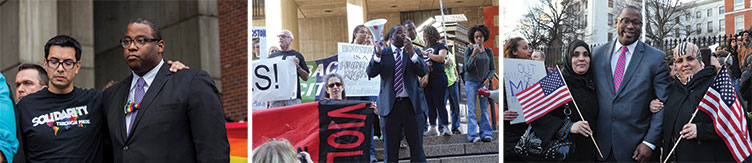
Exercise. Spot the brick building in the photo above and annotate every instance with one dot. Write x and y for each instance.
(738, 15)
(233, 54)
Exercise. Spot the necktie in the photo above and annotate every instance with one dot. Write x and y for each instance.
(138, 95)
(619, 72)
(398, 84)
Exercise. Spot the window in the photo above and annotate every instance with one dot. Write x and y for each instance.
(688, 28)
(699, 14)
(610, 5)
(699, 28)
(584, 22)
(611, 20)
(610, 36)
(721, 25)
(586, 4)
(738, 4)
(721, 10)
(738, 23)
(710, 12)
(710, 26)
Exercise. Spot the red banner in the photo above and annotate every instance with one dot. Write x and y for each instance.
(491, 19)
(299, 124)
(327, 130)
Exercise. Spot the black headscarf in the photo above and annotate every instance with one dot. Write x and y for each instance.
(574, 79)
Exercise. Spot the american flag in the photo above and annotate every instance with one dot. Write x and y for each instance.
(543, 96)
(721, 103)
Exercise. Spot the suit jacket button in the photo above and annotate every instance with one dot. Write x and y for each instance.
(125, 148)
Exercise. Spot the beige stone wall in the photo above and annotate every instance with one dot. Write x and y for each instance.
(319, 36)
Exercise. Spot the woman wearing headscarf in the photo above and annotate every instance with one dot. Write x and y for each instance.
(702, 144)
(579, 79)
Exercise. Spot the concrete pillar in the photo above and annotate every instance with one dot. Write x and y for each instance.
(357, 13)
(26, 27)
(37, 24)
(9, 39)
(75, 18)
(208, 27)
(282, 14)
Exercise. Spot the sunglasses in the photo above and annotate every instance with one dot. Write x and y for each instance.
(338, 84)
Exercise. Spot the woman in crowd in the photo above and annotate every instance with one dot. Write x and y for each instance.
(437, 82)
(734, 66)
(335, 90)
(702, 144)
(361, 37)
(278, 151)
(579, 79)
(479, 68)
(516, 48)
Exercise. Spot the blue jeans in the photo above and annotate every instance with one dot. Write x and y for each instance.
(452, 93)
(471, 91)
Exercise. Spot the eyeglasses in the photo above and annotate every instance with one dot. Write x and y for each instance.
(626, 21)
(140, 41)
(338, 84)
(54, 63)
(283, 36)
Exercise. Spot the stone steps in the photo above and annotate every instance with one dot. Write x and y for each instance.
(433, 140)
(490, 158)
(453, 148)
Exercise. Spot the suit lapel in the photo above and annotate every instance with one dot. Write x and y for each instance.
(608, 67)
(124, 90)
(389, 61)
(163, 75)
(632, 67)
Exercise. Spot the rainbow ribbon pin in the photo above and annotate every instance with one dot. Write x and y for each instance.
(130, 107)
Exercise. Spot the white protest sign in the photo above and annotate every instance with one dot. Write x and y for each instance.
(273, 79)
(353, 60)
(520, 74)
(260, 33)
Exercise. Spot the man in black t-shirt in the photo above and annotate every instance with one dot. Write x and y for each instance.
(285, 39)
(63, 123)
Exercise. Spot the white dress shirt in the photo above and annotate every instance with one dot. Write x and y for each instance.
(617, 52)
(403, 52)
(148, 78)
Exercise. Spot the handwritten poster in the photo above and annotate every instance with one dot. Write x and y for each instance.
(353, 60)
(520, 74)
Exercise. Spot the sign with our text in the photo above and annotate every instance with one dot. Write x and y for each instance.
(353, 60)
(273, 79)
(260, 34)
(520, 74)
(312, 89)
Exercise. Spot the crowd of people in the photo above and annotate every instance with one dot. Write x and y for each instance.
(147, 117)
(636, 102)
(418, 75)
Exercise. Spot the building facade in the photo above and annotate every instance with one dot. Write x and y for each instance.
(738, 16)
